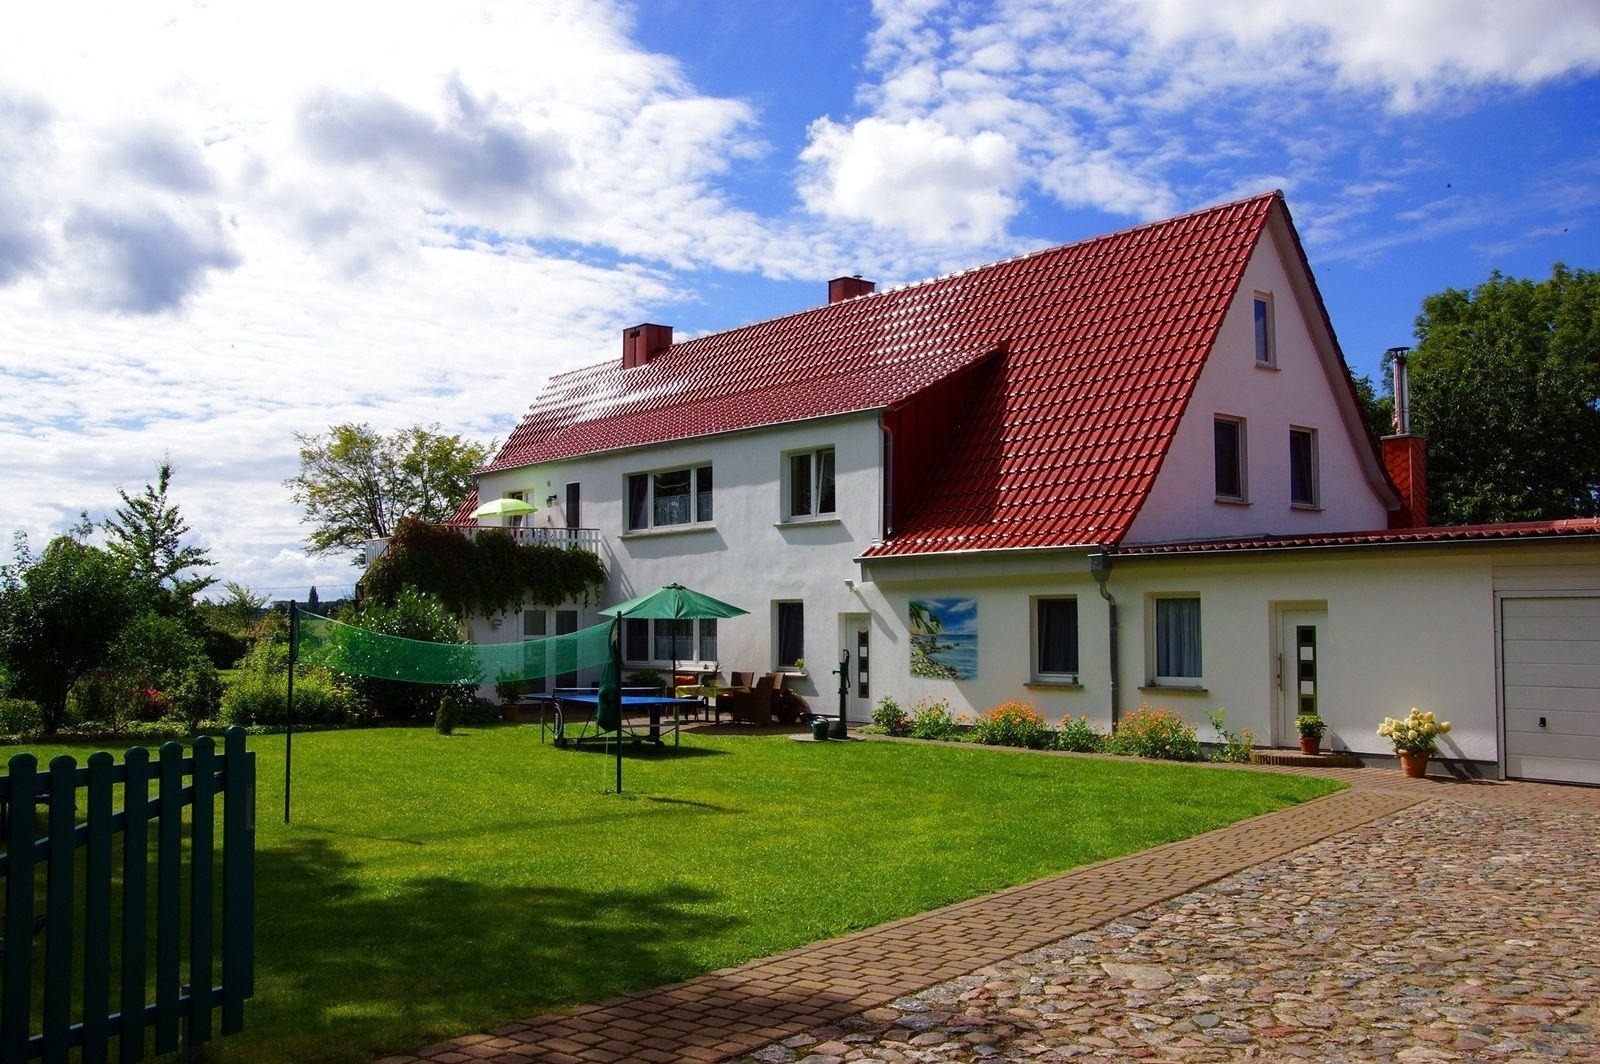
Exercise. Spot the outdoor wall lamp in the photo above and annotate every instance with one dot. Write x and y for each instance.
(550, 500)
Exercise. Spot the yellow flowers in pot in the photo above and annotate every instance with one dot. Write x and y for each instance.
(1418, 733)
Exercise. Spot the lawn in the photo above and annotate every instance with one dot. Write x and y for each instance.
(431, 886)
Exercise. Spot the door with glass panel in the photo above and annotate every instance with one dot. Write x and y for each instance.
(1302, 638)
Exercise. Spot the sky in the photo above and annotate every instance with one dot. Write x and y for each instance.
(223, 224)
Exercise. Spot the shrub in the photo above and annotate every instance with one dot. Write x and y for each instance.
(20, 717)
(1012, 724)
(255, 699)
(890, 718)
(1158, 732)
(1079, 736)
(1233, 747)
(932, 719)
(645, 678)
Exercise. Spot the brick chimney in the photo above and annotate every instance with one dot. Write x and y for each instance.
(843, 288)
(643, 342)
(1405, 457)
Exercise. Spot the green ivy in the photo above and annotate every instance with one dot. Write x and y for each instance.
(483, 574)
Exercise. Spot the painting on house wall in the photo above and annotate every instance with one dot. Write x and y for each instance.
(944, 638)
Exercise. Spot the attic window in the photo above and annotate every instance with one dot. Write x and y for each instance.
(1228, 435)
(1266, 343)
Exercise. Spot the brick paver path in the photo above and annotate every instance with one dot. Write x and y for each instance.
(736, 1011)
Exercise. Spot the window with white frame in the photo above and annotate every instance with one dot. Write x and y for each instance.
(808, 482)
(535, 625)
(1055, 639)
(1266, 343)
(667, 642)
(1228, 442)
(789, 620)
(668, 499)
(1175, 638)
(1303, 467)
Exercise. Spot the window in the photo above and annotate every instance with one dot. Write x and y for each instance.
(535, 625)
(1056, 639)
(791, 624)
(1177, 641)
(1303, 467)
(667, 641)
(1266, 348)
(810, 476)
(1229, 443)
(666, 499)
(573, 510)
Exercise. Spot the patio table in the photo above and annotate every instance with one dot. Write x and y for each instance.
(707, 693)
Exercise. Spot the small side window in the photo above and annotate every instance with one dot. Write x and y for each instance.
(1303, 467)
(1266, 344)
(1228, 437)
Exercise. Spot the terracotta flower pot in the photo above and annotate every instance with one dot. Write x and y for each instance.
(1413, 765)
(1310, 744)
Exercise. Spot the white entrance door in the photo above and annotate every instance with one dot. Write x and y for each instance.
(1302, 633)
(855, 635)
(1550, 672)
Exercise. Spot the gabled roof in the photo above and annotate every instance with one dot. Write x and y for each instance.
(1062, 435)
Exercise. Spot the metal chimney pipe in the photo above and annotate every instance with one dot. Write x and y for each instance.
(1402, 396)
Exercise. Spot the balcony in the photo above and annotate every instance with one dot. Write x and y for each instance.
(543, 535)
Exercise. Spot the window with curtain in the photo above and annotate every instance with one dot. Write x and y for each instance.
(635, 639)
(670, 498)
(791, 620)
(1177, 639)
(1056, 649)
(1228, 434)
(674, 640)
(708, 640)
(1303, 467)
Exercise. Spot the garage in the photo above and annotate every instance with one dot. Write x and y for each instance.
(1550, 677)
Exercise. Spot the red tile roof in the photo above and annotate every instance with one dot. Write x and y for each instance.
(1516, 530)
(1062, 436)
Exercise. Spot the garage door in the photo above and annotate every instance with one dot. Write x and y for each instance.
(1550, 658)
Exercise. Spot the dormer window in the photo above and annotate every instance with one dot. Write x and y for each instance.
(1266, 343)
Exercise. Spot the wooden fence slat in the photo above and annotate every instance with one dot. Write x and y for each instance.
(97, 910)
(135, 896)
(169, 897)
(238, 843)
(201, 901)
(16, 1001)
(58, 904)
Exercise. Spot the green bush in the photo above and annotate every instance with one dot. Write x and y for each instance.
(1234, 747)
(645, 678)
(889, 718)
(1078, 735)
(932, 719)
(20, 717)
(256, 699)
(1012, 724)
(412, 614)
(1157, 732)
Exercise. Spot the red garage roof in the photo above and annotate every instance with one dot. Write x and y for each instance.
(1056, 443)
(1515, 530)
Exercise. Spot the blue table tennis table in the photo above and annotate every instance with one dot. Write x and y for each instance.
(589, 702)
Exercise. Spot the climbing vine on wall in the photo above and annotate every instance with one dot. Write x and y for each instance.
(487, 573)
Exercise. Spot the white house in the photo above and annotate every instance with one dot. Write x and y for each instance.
(1151, 433)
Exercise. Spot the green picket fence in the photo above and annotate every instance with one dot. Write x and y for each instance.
(102, 955)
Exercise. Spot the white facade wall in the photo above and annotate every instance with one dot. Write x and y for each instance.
(1405, 627)
(747, 555)
(1300, 391)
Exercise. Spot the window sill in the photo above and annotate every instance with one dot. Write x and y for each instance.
(1309, 507)
(1054, 685)
(802, 522)
(1273, 366)
(1228, 500)
(670, 530)
(1175, 688)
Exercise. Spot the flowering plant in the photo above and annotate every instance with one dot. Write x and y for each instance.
(1417, 734)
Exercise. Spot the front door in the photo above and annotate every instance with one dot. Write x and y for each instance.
(1302, 635)
(855, 631)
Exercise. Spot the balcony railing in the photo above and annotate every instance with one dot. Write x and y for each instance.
(544, 535)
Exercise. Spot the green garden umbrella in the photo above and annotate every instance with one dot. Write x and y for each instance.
(671, 603)
(505, 508)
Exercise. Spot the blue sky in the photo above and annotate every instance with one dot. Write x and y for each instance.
(222, 225)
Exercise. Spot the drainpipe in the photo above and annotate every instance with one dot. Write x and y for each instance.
(1100, 569)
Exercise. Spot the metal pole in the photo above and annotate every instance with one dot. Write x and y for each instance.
(616, 662)
(839, 726)
(288, 705)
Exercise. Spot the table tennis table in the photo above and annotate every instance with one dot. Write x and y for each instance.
(655, 705)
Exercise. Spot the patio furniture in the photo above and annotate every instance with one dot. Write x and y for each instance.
(753, 706)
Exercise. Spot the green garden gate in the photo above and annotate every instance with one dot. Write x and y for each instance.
(141, 941)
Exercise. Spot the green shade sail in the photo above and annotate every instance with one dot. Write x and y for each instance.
(674, 603)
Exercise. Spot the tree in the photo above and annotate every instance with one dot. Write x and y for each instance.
(356, 483)
(60, 613)
(147, 536)
(1505, 385)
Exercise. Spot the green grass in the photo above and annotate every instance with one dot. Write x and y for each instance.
(431, 886)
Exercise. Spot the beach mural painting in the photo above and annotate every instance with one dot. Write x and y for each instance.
(944, 638)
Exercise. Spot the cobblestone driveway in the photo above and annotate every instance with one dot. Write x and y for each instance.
(1447, 932)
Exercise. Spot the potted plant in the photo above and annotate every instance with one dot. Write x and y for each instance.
(1311, 728)
(1414, 739)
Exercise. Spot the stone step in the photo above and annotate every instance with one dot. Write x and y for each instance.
(1296, 758)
